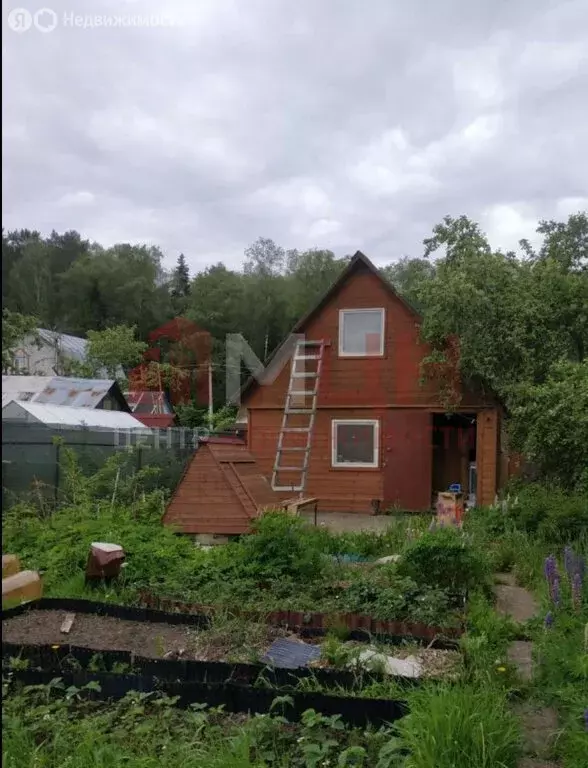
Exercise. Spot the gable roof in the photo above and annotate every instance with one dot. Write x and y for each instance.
(72, 346)
(65, 415)
(357, 264)
(63, 390)
(222, 490)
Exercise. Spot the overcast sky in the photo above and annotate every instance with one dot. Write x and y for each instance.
(340, 124)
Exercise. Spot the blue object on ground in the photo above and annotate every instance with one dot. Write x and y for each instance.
(349, 558)
(290, 654)
(455, 488)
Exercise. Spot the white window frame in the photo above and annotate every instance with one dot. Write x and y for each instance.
(375, 423)
(342, 313)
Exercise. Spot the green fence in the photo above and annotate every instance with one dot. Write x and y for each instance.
(32, 460)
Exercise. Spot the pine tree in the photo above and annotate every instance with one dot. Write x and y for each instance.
(181, 279)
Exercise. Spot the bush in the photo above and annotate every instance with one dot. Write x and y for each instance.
(550, 513)
(447, 560)
(281, 547)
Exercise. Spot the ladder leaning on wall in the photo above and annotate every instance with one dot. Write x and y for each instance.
(298, 420)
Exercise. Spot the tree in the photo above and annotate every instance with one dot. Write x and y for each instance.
(122, 285)
(15, 327)
(180, 283)
(550, 424)
(114, 350)
(309, 275)
(408, 276)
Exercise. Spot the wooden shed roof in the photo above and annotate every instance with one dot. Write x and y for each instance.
(221, 491)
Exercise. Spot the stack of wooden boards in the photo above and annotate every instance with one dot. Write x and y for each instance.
(18, 586)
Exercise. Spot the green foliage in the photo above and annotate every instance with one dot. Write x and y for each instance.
(551, 424)
(15, 327)
(459, 727)
(113, 347)
(278, 549)
(549, 513)
(42, 724)
(446, 559)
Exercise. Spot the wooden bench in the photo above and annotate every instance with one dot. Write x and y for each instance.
(297, 506)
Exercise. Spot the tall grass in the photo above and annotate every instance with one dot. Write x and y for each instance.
(460, 727)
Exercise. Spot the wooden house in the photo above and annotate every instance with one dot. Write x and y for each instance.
(381, 437)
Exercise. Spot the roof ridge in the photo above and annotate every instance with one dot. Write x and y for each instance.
(357, 259)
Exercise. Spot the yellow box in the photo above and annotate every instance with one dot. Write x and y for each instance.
(10, 565)
(21, 587)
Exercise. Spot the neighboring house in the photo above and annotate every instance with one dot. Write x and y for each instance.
(151, 408)
(51, 353)
(67, 416)
(381, 438)
(102, 394)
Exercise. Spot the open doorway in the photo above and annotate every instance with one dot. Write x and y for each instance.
(454, 454)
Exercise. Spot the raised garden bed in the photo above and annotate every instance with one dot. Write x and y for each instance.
(312, 623)
(99, 641)
(359, 712)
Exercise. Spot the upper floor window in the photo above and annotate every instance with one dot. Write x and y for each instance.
(361, 332)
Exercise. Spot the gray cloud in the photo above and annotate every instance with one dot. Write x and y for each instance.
(340, 124)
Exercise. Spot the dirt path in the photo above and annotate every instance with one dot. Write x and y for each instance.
(514, 601)
(539, 724)
(339, 522)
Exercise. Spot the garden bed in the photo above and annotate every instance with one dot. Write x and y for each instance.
(97, 632)
(353, 711)
(100, 627)
(312, 623)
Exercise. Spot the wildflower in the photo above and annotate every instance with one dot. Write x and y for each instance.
(501, 669)
(555, 595)
(577, 590)
(548, 620)
(586, 719)
(550, 567)
(569, 561)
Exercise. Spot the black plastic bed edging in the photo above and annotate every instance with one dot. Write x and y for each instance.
(113, 610)
(353, 711)
(63, 658)
(201, 621)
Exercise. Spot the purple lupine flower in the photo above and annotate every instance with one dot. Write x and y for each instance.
(550, 567)
(548, 620)
(586, 719)
(569, 561)
(555, 594)
(577, 590)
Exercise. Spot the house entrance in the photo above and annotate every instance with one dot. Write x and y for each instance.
(454, 453)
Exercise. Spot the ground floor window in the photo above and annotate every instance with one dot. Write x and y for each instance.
(355, 443)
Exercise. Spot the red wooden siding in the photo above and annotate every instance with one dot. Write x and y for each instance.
(337, 488)
(385, 387)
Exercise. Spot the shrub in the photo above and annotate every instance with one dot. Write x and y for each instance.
(281, 547)
(445, 559)
(550, 513)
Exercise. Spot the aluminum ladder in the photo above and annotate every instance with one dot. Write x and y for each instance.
(304, 351)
